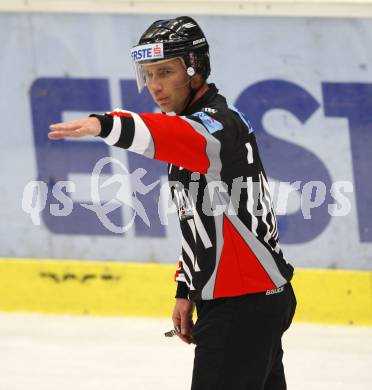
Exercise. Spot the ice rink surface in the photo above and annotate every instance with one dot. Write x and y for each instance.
(45, 352)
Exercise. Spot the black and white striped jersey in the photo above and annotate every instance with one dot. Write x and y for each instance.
(229, 229)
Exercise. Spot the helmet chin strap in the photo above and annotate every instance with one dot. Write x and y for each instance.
(192, 92)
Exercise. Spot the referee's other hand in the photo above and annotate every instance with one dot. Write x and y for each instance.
(182, 319)
(75, 129)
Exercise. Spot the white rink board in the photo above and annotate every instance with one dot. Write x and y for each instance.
(58, 352)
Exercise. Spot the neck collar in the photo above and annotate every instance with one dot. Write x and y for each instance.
(196, 106)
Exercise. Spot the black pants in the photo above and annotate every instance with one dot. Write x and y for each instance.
(239, 341)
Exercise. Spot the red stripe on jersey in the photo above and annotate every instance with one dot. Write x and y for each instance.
(239, 271)
(177, 142)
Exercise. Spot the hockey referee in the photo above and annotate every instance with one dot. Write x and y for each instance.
(231, 267)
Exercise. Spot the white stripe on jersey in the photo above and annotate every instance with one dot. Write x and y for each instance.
(251, 205)
(265, 209)
(115, 133)
(187, 249)
(277, 248)
(274, 230)
(201, 230)
(192, 228)
(142, 140)
(188, 273)
(191, 224)
(249, 153)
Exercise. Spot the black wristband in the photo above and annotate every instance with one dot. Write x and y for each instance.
(182, 290)
(107, 122)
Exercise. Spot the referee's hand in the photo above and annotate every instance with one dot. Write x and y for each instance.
(75, 129)
(182, 319)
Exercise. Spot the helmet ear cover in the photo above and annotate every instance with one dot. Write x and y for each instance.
(197, 61)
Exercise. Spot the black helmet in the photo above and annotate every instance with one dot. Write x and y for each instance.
(165, 39)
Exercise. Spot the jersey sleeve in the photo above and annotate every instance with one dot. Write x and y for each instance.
(178, 140)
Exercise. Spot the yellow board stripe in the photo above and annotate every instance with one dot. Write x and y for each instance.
(334, 296)
(86, 287)
(135, 289)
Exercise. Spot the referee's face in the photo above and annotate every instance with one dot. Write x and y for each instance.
(168, 84)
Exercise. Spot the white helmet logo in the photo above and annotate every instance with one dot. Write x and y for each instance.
(189, 25)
